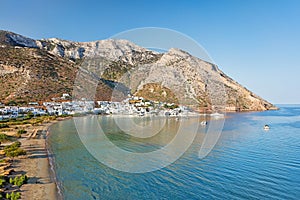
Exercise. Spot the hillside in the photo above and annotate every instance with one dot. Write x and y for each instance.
(38, 70)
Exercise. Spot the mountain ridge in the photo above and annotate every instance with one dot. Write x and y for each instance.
(41, 59)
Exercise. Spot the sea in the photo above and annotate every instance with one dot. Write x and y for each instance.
(244, 162)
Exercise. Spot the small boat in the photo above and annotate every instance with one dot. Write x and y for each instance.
(203, 123)
(266, 127)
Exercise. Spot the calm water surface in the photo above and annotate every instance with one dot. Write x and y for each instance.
(246, 163)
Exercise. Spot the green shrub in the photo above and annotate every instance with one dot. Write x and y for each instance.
(2, 181)
(3, 137)
(12, 103)
(13, 195)
(171, 106)
(14, 150)
(14, 145)
(4, 126)
(29, 115)
(19, 183)
(22, 131)
(18, 180)
(15, 153)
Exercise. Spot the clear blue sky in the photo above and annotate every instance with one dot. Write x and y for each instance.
(256, 42)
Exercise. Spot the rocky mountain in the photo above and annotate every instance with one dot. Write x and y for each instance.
(38, 70)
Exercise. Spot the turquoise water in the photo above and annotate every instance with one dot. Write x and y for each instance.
(246, 163)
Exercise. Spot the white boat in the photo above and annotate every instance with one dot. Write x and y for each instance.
(266, 127)
(203, 123)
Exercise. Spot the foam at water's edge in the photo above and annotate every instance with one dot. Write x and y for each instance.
(59, 194)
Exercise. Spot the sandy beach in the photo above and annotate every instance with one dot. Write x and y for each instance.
(36, 165)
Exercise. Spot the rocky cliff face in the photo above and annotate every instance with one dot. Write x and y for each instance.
(41, 69)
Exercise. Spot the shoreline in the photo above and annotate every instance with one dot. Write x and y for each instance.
(51, 162)
(38, 164)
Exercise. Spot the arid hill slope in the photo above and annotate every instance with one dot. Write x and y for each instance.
(38, 70)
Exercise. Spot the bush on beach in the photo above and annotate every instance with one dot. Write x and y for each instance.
(14, 150)
(13, 195)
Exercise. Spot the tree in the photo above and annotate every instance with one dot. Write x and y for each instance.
(12, 103)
